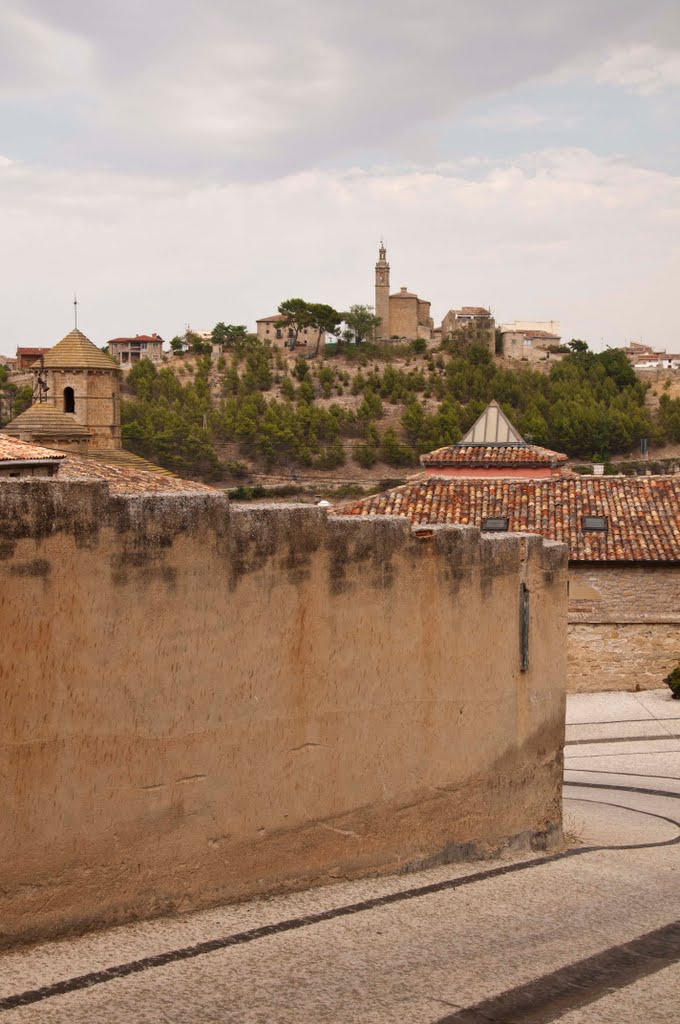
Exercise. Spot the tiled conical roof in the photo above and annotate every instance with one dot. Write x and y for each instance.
(76, 352)
(43, 420)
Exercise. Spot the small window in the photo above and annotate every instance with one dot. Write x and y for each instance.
(499, 524)
(598, 524)
(69, 400)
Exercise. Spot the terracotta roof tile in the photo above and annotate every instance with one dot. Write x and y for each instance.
(643, 514)
(14, 450)
(492, 455)
(126, 479)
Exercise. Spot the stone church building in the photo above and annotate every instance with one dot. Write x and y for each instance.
(402, 314)
(76, 400)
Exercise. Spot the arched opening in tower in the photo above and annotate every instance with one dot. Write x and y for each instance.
(69, 400)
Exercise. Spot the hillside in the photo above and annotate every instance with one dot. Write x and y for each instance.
(364, 413)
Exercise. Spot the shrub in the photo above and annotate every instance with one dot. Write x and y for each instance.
(672, 680)
(366, 455)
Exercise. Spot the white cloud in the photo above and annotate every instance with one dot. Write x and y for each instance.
(560, 234)
(642, 69)
(40, 58)
(267, 88)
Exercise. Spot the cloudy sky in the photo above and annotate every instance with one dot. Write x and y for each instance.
(187, 161)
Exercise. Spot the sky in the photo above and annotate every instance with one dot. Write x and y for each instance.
(184, 162)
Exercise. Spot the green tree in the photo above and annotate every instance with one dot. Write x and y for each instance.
(324, 319)
(362, 323)
(297, 315)
(229, 336)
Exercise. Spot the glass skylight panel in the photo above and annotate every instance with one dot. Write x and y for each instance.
(499, 524)
(594, 523)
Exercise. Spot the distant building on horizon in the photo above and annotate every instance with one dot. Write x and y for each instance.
(403, 314)
(127, 351)
(644, 357)
(27, 356)
(531, 340)
(271, 329)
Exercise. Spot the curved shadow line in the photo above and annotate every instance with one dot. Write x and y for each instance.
(124, 970)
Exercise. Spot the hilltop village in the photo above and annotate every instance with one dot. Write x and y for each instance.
(213, 698)
(429, 424)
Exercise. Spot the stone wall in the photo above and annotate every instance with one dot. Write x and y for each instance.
(201, 703)
(624, 626)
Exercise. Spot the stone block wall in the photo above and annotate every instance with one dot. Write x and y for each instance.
(624, 625)
(202, 703)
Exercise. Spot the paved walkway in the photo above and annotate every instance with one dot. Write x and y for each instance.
(589, 935)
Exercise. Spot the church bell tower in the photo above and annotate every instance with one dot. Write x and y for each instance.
(382, 293)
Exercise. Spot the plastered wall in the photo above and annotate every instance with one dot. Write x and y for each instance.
(624, 626)
(202, 703)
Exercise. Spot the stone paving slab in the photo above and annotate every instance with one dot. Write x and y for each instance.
(618, 707)
(642, 747)
(653, 1000)
(603, 731)
(668, 784)
(644, 763)
(659, 703)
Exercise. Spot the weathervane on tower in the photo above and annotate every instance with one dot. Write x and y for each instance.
(75, 311)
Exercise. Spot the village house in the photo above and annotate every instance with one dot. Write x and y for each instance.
(271, 329)
(26, 357)
(127, 351)
(644, 357)
(456, 319)
(622, 533)
(532, 341)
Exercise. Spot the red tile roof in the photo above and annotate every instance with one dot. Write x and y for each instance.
(137, 337)
(643, 514)
(473, 310)
(31, 351)
(269, 319)
(492, 455)
(14, 450)
(126, 479)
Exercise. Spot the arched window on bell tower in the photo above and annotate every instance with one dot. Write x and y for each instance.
(69, 400)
